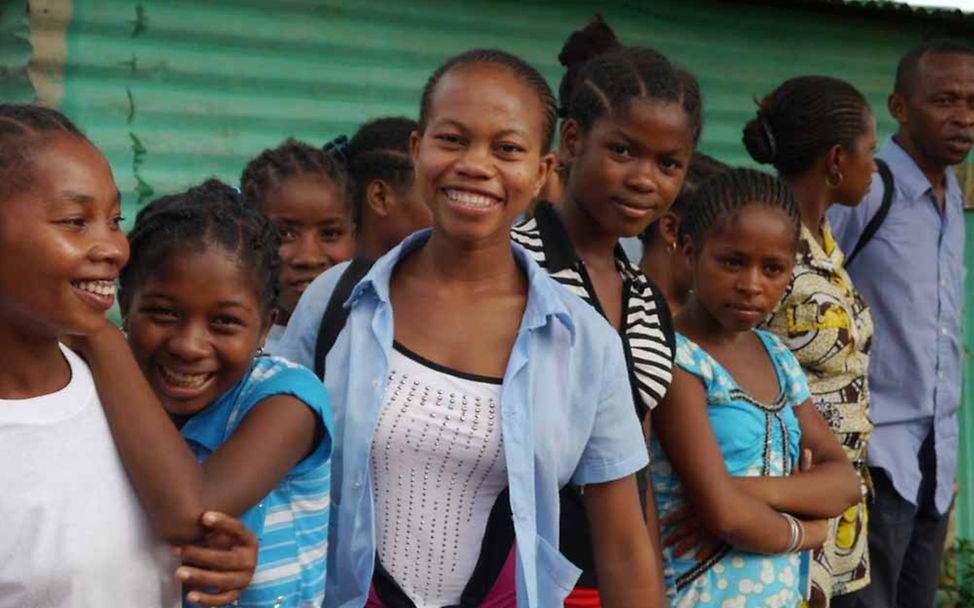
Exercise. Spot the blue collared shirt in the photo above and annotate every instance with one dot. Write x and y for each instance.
(567, 414)
(912, 276)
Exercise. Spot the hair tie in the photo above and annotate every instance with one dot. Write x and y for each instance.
(338, 148)
(768, 134)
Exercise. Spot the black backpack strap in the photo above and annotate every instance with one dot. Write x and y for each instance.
(333, 320)
(876, 221)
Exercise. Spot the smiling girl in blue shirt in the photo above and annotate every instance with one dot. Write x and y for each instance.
(461, 303)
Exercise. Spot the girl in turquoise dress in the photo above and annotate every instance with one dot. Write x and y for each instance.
(746, 472)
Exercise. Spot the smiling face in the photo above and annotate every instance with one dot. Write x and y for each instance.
(628, 169)
(479, 161)
(937, 114)
(60, 242)
(744, 265)
(314, 222)
(195, 324)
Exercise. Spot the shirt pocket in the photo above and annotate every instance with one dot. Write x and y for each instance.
(556, 574)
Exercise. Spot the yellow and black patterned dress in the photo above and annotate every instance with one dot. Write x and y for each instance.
(828, 327)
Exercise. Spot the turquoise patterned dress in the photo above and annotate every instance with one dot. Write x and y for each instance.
(756, 439)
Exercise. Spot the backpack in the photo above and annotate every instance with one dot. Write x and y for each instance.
(876, 221)
(335, 315)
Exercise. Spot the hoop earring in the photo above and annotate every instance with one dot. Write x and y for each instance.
(838, 182)
(260, 351)
(673, 247)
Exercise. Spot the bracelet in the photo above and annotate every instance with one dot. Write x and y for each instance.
(795, 531)
(801, 534)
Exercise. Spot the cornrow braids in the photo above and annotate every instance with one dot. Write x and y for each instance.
(612, 80)
(209, 215)
(290, 159)
(701, 168)
(24, 127)
(730, 191)
(802, 119)
(379, 150)
(592, 40)
(520, 68)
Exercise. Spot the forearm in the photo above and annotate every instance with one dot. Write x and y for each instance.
(652, 526)
(630, 575)
(162, 469)
(826, 491)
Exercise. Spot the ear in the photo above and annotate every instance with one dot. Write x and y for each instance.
(835, 159)
(569, 140)
(669, 228)
(545, 166)
(377, 197)
(897, 107)
(414, 139)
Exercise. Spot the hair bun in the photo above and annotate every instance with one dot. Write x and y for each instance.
(592, 40)
(759, 139)
(338, 148)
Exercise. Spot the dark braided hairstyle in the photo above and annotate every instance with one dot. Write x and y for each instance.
(802, 119)
(23, 128)
(520, 68)
(209, 215)
(612, 80)
(701, 168)
(379, 150)
(290, 159)
(730, 191)
(592, 40)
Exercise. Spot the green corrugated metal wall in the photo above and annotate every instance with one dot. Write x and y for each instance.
(174, 91)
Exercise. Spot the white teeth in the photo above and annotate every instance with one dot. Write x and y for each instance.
(470, 199)
(102, 288)
(186, 380)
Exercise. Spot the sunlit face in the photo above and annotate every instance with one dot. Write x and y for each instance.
(938, 113)
(61, 247)
(195, 324)
(629, 167)
(744, 265)
(480, 160)
(858, 166)
(314, 223)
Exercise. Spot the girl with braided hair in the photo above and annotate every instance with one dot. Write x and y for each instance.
(74, 533)
(303, 190)
(728, 434)
(819, 133)
(201, 418)
(631, 122)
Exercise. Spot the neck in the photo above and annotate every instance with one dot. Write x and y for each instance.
(34, 364)
(814, 197)
(591, 242)
(696, 323)
(370, 243)
(657, 265)
(935, 172)
(484, 262)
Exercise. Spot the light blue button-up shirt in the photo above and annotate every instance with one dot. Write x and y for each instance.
(567, 414)
(912, 276)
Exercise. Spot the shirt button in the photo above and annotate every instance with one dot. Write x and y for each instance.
(357, 485)
(940, 375)
(943, 283)
(943, 330)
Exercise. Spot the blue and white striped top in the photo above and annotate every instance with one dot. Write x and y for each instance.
(291, 523)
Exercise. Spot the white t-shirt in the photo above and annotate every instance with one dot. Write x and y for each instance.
(72, 532)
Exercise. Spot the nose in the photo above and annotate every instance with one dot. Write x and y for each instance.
(111, 248)
(644, 178)
(309, 253)
(964, 115)
(749, 281)
(190, 342)
(475, 162)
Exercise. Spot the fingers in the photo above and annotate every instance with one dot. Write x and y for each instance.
(212, 599)
(220, 560)
(221, 585)
(689, 542)
(222, 523)
(681, 514)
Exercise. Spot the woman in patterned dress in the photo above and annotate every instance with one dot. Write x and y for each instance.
(822, 318)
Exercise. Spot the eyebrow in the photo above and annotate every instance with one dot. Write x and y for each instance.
(459, 125)
(70, 197)
(620, 132)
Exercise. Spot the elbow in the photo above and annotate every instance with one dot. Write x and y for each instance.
(179, 525)
(851, 489)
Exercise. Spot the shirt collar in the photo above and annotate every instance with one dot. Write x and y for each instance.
(544, 299)
(907, 174)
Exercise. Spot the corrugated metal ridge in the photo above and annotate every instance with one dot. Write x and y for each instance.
(942, 20)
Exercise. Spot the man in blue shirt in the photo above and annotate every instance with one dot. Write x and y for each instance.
(912, 275)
